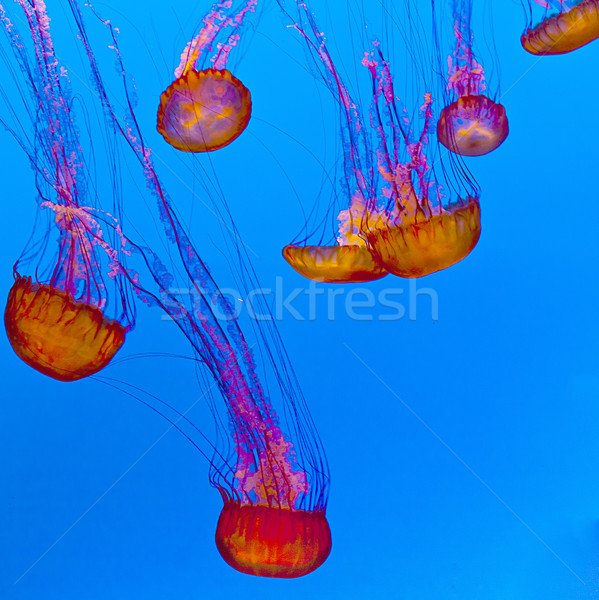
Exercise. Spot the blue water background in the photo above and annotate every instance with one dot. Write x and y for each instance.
(464, 449)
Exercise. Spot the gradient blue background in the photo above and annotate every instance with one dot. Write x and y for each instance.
(463, 451)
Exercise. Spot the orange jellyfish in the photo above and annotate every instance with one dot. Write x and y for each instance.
(205, 110)
(574, 25)
(57, 320)
(471, 124)
(412, 233)
(399, 219)
(341, 263)
(347, 259)
(273, 480)
(57, 332)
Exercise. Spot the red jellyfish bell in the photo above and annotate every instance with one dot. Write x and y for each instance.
(574, 26)
(472, 124)
(273, 523)
(206, 110)
(272, 542)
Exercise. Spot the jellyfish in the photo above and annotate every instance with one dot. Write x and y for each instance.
(205, 110)
(341, 263)
(413, 233)
(472, 124)
(573, 25)
(348, 259)
(398, 214)
(274, 484)
(64, 319)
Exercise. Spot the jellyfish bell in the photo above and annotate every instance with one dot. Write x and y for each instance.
(58, 321)
(472, 126)
(272, 541)
(55, 334)
(272, 524)
(204, 111)
(574, 26)
(334, 264)
(273, 521)
(349, 261)
(425, 246)
(471, 123)
(415, 233)
(347, 258)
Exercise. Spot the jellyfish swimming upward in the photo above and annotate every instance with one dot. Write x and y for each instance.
(472, 124)
(398, 219)
(566, 25)
(205, 109)
(63, 319)
(273, 484)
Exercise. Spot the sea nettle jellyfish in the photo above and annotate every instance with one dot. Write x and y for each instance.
(62, 319)
(274, 479)
(471, 124)
(399, 219)
(344, 257)
(205, 109)
(566, 25)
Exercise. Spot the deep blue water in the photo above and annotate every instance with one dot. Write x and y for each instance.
(463, 443)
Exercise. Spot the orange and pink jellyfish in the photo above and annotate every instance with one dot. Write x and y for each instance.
(206, 108)
(471, 123)
(68, 317)
(563, 26)
(274, 485)
(347, 259)
(412, 229)
(398, 218)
